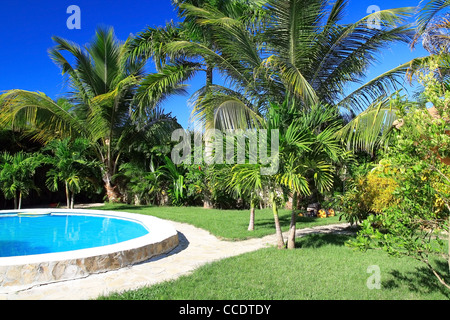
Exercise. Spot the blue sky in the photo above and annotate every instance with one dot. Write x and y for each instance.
(26, 28)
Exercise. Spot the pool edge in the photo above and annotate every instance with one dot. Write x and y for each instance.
(15, 277)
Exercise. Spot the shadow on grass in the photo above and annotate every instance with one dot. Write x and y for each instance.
(421, 280)
(319, 240)
(124, 207)
(285, 220)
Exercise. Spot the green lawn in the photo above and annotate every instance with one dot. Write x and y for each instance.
(322, 268)
(225, 224)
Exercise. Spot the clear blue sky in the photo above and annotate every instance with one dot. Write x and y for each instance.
(26, 28)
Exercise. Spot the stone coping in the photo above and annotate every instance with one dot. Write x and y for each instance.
(27, 271)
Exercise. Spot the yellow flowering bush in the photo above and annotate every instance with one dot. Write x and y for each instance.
(371, 193)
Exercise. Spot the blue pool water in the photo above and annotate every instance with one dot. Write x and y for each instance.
(22, 235)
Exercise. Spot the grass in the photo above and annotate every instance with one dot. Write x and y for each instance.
(225, 224)
(324, 268)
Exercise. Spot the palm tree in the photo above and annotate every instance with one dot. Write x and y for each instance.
(307, 149)
(300, 49)
(16, 175)
(70, 166)
(181, 51)
(430, 23)
(100, 108)
(289, 48)
(373, 128)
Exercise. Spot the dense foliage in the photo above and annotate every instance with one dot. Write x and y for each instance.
(416, 220)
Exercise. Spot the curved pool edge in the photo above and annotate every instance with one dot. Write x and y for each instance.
(19, 273)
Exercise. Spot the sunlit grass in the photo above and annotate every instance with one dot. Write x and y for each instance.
(225, 224)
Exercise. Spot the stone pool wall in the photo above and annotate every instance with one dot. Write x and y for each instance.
(27, 275)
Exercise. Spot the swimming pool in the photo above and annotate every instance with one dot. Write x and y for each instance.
(22, 235)
(41, 246)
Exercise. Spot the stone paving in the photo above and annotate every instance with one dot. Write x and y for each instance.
(197, 247)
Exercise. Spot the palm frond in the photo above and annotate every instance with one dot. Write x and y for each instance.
(427, 13)
(371, 128)
(39, 114)
(383, 85)
(156, 87)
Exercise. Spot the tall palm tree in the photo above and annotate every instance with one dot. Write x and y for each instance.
(299, 48)
(181, 51)
(100, 108)
(294, 48)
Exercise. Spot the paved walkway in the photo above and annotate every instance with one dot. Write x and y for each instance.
(197, 247)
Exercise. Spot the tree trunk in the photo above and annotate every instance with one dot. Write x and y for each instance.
(137, 200)
(209, 76)
(72, 202)
(15, 201)
(292, 227)
(207, 203)
(111, 191)
(67, 196)
(251, 225)
(279, 233)
(20, 200)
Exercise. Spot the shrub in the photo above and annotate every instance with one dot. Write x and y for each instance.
(369, 194)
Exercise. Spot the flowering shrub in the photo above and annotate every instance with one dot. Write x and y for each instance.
(370, 194)
(416, 222)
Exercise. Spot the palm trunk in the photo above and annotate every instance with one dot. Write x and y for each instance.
(67, 196)
(292, 227)
(111, 190)
(112, 193)
(15, 201)
(279, 233)
(20, 200)
(207, 202)
(209, 76)
(72, 201)
(251, 225)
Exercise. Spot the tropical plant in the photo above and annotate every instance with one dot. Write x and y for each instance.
(101, 106)
(180, 51)
(175, 175)
(71, 166)
(413, 225)
(300, 49)
(16, 175)
(369, 193)
(304, 159)
(141, 185)
(432, 26)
